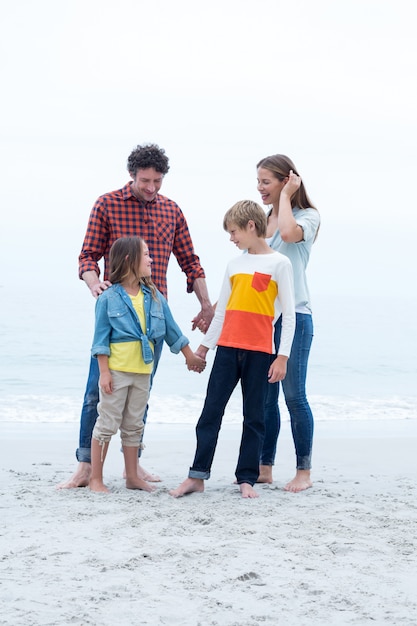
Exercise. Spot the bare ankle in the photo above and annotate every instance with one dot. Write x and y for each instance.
(265, 474)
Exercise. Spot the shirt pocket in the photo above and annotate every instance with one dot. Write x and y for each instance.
(260, 282)
(121, 320)
(158, 326)
(165, 231)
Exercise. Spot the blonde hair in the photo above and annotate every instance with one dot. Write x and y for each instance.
(243, 211)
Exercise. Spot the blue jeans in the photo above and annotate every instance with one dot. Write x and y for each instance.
(89, 409)
(293, 385)
(231, 365)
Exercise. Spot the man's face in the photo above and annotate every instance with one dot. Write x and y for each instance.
(146, 184)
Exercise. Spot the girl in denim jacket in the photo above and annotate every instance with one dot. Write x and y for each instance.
(131, 317)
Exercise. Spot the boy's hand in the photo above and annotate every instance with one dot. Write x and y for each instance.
(278, 369)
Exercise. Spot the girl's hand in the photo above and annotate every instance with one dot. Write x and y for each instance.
(106, 382)
(292, 185)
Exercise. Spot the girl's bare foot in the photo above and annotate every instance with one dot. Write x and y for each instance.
(248, 491)
(138, 483)
(300, 482)
(189, 485)
(265, 474)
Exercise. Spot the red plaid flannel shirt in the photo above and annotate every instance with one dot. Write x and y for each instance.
(160, 223)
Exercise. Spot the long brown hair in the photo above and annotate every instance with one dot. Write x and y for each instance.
(124, 259)
(280, 165)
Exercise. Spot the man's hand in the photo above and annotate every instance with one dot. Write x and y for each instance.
(203, 320)
(98, 288)
(95, 285)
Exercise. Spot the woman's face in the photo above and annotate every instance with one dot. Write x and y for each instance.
(269, 186)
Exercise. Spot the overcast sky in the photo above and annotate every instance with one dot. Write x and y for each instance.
(219, 85)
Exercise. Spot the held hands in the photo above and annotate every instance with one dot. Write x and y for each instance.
(195, 363)
(292, 185)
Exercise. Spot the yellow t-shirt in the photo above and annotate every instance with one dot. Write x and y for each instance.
(127, 356)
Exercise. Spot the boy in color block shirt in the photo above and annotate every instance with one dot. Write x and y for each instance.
(257, 289)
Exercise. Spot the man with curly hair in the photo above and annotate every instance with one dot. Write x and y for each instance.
(137, 209)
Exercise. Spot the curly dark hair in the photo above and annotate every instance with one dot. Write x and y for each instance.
(148, 155)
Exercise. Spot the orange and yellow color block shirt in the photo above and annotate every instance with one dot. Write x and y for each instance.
(256, 290)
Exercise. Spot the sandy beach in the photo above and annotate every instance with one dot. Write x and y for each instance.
(343, 552)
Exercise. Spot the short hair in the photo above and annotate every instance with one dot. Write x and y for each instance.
(148, 155)
(243, 211)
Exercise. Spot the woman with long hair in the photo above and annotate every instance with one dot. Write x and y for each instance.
(293, 223)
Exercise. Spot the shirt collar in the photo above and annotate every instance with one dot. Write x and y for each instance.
(127, 194)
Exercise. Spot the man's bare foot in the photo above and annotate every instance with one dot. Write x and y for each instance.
(138, 483)
(265, 474)
(189, 485)
(248, 491)
(144, 475)
(300, 482)
(80, 478)
(98, 486)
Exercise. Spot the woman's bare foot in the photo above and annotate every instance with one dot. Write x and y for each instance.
(300, 482)
(265, 474)
(248, 491)
(138, 483)
(80, 478)
(189, 485)
(98, 486)
(144, 475)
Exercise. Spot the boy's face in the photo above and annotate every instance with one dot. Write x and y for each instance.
(241, 237)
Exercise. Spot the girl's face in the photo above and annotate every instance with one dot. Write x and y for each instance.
(269, 186)
(145, 269)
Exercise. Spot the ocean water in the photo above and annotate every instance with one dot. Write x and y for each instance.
(362, 364)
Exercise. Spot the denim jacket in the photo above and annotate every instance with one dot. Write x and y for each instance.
(117, 321)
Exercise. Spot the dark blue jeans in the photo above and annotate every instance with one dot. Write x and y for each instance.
(89, 409)
(231, 365)
(293, 386)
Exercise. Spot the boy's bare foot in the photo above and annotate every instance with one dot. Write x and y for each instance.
(265, 474)
(189, 485)
(144, 475)
(80, 478)
(300, 482)
(248, 491)
(98, 486)
(138, 483)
